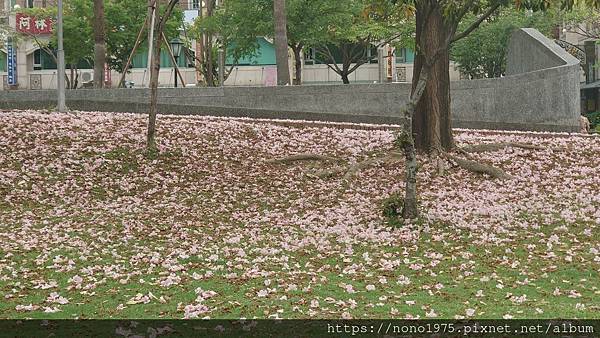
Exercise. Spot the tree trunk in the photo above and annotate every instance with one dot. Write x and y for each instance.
(99, 44)
(72, 81)
(151, 137)
(298, 64)
(210, 78)
(431, 123)
(200, 78)
(345, 78)
(67, 81)
(345, 71)
(410, 208)
(76, 77)
(281, 44)
(159, 27)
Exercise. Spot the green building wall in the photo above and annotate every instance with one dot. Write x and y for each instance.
(140, 60)
(265, 55)
(405, 55)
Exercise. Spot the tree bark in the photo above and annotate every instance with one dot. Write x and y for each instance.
(72, 82)
(76, 77)
(410, 208)
(298, 63)
(431, 123)
(99, 43)
(151, 137)
(159, 27)
(345, 78)
(208, 49)
(281, 44)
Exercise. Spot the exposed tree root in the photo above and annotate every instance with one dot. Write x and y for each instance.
(465, 154)
(481, 148)
(440, 166)
(478, 167)
(348, 171)
(326, 173)
(355, 168)
(352, 170)
(304, 157)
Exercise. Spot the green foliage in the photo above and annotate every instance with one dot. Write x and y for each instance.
(77, 30)
(357, 26)
(78, 35)
(454, 11)
(311, 23)
(39, 12)
(581, 20)
(482, 54)
(370, 21)
(308, 20)
(594, 118)
(235, 27)
(124, 19)
(392, 209)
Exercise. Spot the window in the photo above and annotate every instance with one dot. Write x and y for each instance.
(29, 4)
(37, 60)
(372, 54)
(3, 61)
(42, 60)
(309, 56)
(401, 55)
(195, 4)
(190, 61)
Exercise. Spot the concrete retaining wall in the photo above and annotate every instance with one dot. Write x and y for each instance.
(536, 99)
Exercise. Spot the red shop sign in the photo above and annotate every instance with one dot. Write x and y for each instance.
(31, 25)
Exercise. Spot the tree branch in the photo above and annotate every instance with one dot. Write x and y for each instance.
(329, 56)
(475, 24)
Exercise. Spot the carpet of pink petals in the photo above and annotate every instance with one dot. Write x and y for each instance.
(82, 209)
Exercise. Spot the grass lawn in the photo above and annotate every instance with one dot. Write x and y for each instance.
(91, 227)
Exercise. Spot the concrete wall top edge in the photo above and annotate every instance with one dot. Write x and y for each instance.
(529, 50)
(529, 77)
(219, 91)
(562, 54)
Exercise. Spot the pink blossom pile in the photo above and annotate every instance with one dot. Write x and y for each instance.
(80, 199)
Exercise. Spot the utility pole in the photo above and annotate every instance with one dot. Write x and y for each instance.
(60, 78)
(152, 16)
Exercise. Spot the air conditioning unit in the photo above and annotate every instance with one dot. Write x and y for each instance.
(87, 80)
(86, 76)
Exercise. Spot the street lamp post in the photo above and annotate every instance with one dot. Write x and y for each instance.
(176, 44)
(60, 78)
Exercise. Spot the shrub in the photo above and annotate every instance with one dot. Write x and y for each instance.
(594, 118)
(392, 209)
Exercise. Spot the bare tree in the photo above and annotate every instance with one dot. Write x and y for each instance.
(281, 43)
(159, 27)
(99, 43)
